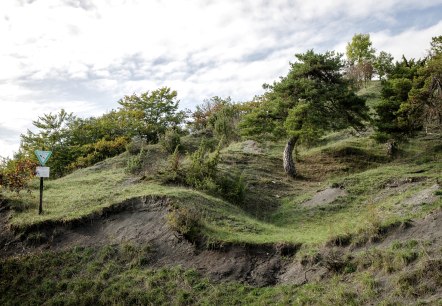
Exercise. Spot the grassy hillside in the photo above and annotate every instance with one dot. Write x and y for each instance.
(340, 214)
(355, 164)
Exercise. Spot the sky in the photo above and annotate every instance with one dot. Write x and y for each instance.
(85, 55)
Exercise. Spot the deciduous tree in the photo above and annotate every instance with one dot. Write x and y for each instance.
(360, 55)
(152, 113)
(383, 64)
(53, 135)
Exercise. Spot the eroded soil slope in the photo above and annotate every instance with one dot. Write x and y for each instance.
(143, 221)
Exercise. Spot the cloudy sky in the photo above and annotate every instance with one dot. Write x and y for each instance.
(84, 55)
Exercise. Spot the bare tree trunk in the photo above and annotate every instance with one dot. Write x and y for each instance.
(288, 162)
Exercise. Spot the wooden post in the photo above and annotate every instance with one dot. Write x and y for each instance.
(40, 207)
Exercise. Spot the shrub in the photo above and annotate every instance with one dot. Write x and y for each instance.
(135, 146)
(203, 168)
(170, 140)
(15, 174)
(185, 221)
(135, 164)
(201, 172)
(102, 149)
(174, 165)
(233, 188)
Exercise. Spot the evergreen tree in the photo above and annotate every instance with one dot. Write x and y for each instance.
(312, 99)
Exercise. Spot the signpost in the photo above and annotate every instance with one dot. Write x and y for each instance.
(43, 156)
(42, 172)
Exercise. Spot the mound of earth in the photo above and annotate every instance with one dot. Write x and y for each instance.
(427, 229)
(144, 221)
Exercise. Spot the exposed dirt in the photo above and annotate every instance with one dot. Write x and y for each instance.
(425, 196)
(428, 229)
(415, 202)
(325, 196)
(251, 147)
(143, 221)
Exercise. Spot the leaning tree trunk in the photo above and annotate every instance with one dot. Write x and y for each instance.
(288, 162)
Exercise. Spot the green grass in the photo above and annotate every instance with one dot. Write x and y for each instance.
(273, 212)
(372, 92)
(377, 190)
(120, 275)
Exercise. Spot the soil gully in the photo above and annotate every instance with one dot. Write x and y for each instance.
(143, 221)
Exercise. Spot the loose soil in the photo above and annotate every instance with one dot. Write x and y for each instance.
(143, 221)
(325, 196)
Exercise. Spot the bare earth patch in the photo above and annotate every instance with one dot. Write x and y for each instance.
(427, 229)
(426, 196)
(251, 147)
(143, 221)
(324, 197)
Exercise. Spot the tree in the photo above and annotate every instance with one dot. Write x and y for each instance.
(360, 49)
(76, 142)
(52, 131)
(360, 55)
(396, 118)
(412, 97)
(436, 45)
(152, 113)
(383, 64)
(312, 99)
(218, 117)
(53, 135)
(107, 126)
(425, 98)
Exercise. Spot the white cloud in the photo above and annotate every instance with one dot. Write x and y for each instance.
(7, 148)
(84, 55)
(412, 43)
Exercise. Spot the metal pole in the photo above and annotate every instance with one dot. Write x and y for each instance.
(40, 208)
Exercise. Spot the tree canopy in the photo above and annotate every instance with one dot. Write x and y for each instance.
(383, 64)
(360, 56)
(411, 98)
(313, 98)
(152, 113)
(360, 49)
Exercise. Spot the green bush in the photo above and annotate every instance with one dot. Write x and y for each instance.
(135, 146)
(203, 168)
(170, 140)
(200, 171)
(233, 188)
(135, 164)
(95, 152)
(186, 222)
